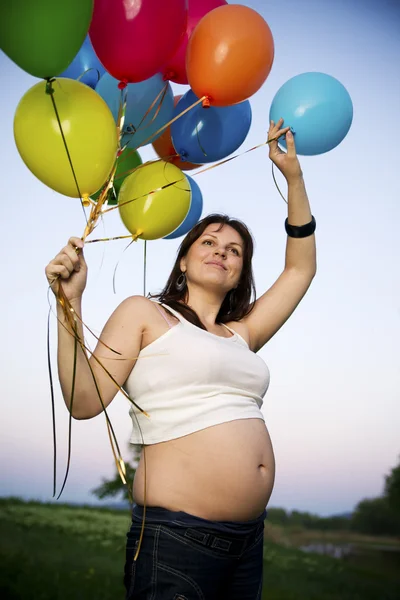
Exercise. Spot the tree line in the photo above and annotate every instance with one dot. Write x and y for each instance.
(376, 516)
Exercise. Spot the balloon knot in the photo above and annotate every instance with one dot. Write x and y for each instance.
(49, 85)
(122, 84)
(168, 75)
(206, 102)
(137, 235)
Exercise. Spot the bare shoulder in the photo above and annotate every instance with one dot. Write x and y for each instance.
(137, 307)
(132, 313)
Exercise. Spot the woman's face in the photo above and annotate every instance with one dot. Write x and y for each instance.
(215, 259)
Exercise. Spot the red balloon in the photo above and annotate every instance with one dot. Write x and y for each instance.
(132, 38)
(175, 68)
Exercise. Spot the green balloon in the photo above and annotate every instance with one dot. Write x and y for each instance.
(44, 36)
(129, 160)
(126, 162)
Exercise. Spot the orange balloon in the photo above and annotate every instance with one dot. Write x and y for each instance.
(164, 147)
(229, 55)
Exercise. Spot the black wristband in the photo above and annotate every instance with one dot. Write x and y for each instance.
(301, 231)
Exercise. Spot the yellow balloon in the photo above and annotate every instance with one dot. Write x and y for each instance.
(89, 130)
(150, 210)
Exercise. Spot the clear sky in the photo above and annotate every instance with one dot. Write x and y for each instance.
(333, 406)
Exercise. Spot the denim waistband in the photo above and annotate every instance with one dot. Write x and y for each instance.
(157, 514)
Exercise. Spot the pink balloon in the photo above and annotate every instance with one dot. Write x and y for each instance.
(132, 38)
(175, 68)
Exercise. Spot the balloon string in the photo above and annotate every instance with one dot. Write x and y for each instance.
(121, 116)
(121, 468)
(126, 173)
(87, 71)
(120, 464)
(198, 140)
(96, 210)
(70, 315)
(146, 141)
(226, 160)
(116, 266)
(118, 237)
(70, 411)
(144, 267)
(170, 122)
(50, 92)
(159, 189)
(109, 425)
(53, 408)
(160, 97)
(222, 162)
(276, 184)
(92, 332)
(97, 360)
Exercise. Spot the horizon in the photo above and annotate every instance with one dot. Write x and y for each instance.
(122, 505)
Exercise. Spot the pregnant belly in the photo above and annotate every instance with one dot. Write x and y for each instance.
(222, 473)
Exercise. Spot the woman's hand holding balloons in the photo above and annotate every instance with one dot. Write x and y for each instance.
(287, 162)
(70, 266)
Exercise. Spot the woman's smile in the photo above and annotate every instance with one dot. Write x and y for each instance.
(214, 263)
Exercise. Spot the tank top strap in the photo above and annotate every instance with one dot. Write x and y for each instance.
(164, 316)
(171, 310)
(228, 328)
(236, 335)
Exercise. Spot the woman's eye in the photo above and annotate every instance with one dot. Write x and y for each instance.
(207, 242)
(234, 251)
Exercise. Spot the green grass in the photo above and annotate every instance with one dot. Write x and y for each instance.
(59, 552)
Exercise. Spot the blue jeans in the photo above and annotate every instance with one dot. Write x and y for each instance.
(184, 557)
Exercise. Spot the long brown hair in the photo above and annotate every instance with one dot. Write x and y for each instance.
(238, 302)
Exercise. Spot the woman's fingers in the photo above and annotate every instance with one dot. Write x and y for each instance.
(75, 242)
(275, 132)
(62, 271)
(69, 256)
(67, 261)
(55, 272)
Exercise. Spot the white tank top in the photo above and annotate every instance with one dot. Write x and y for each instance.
(189, 379)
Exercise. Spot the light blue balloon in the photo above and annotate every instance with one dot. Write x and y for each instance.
(319, 110)
(85, 62)
(194, 214)
(140, 96)
(205, 135)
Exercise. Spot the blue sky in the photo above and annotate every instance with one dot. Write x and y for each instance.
(333, 407)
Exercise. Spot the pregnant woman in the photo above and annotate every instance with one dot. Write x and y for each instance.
(190, 362)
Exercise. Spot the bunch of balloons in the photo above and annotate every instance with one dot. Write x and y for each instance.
(111, 58)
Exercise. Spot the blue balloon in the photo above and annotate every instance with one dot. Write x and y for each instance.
(85, 60)
(194, 214)
(140, 96)
(204, 135)
(319, 110)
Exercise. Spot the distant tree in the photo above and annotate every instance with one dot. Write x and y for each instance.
(337, 523)
(114, 488)
(392, 489)
(375, 516)
(304, 519)
(278, 516)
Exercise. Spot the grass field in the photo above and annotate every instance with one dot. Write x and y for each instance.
(60, 552)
